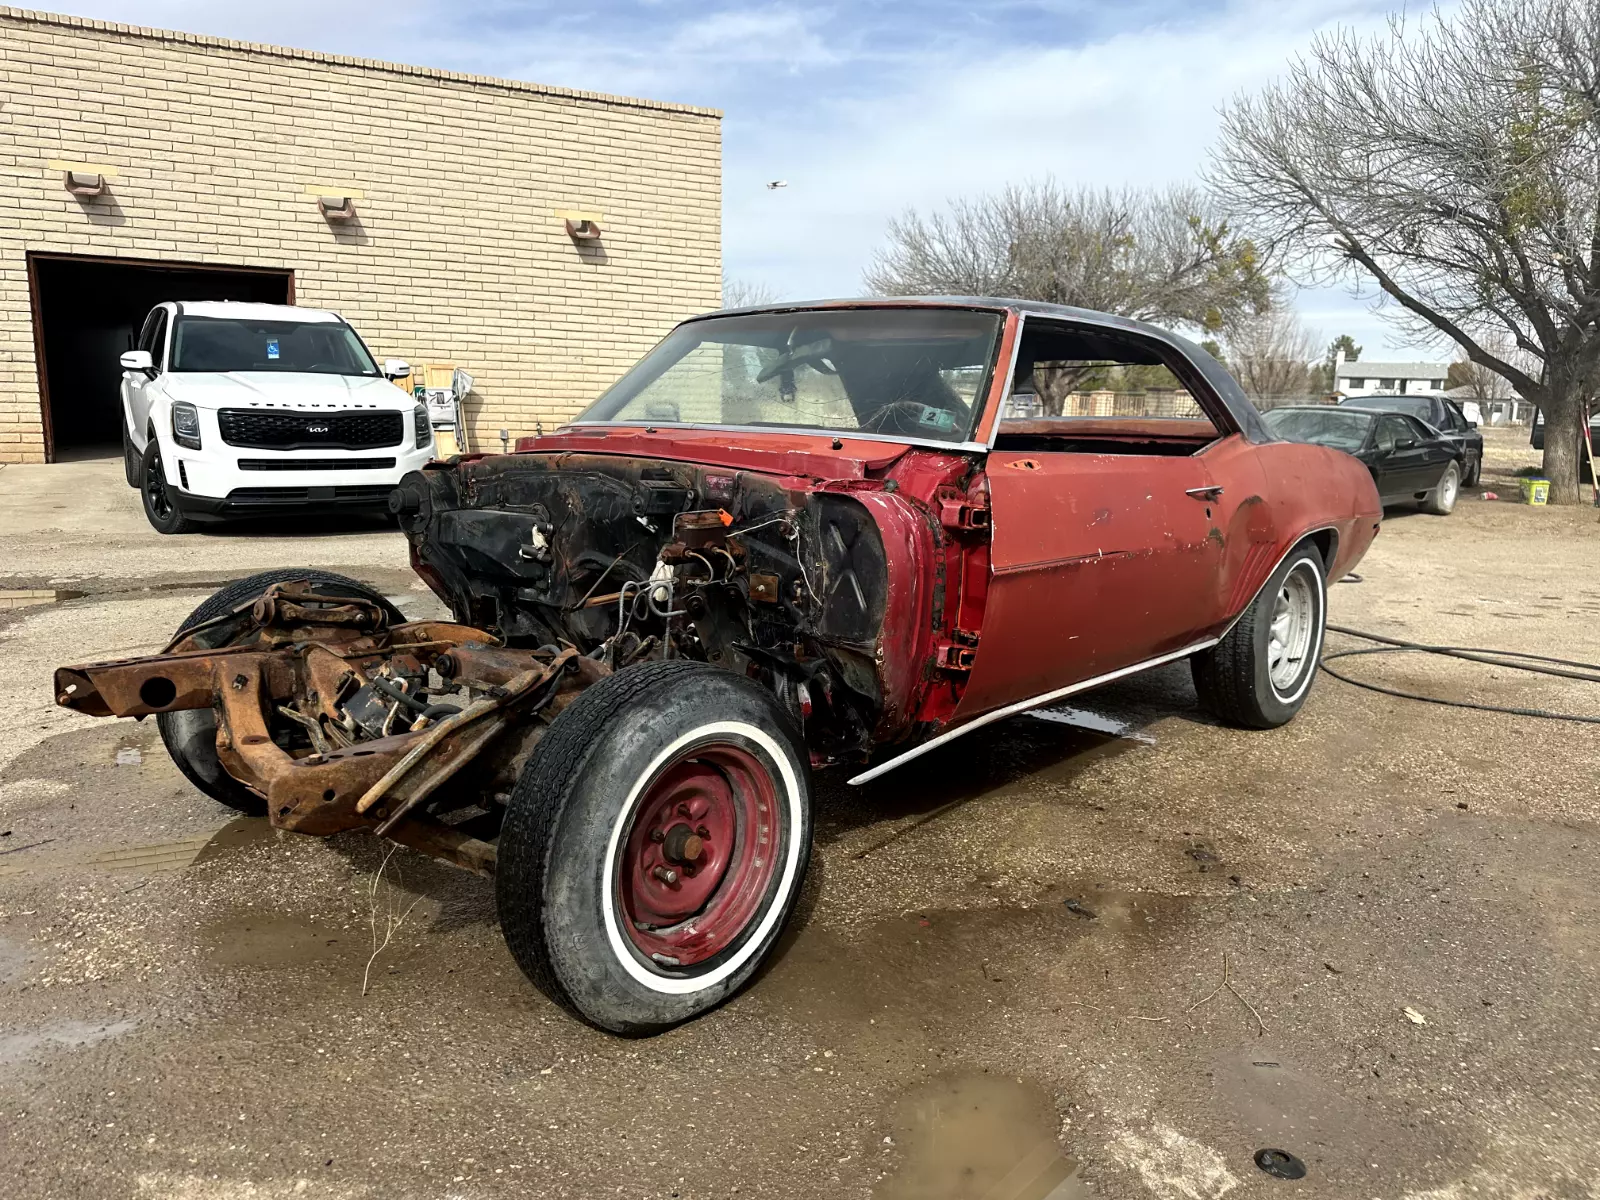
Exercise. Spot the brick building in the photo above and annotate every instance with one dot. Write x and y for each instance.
(227, 171)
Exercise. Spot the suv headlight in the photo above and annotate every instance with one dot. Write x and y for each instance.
(424, 428)
(186, 425)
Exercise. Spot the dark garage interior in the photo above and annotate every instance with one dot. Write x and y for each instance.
(87, 311)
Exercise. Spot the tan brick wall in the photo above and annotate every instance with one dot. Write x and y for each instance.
(458, 255)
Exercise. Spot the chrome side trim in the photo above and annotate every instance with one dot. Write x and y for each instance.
(1009, 710)
(843, 435)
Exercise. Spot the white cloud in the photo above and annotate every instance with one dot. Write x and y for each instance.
(1137, 108)
(860, 124)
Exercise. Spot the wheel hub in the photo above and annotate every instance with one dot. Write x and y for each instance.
(699, 858)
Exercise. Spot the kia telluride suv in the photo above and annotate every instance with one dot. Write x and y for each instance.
(245, 410)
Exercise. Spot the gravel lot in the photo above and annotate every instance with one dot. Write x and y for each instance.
(1112, 952)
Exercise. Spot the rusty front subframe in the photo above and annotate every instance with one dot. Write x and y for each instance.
(301, 655)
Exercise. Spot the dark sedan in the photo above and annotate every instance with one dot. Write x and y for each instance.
(1408, 459)
(1444, 415)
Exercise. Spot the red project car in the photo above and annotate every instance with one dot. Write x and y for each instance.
(790, 538)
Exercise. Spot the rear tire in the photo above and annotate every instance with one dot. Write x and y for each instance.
(607, 903)
(1259, 675)
(1441, 501)
(190, 734)
(132, 460)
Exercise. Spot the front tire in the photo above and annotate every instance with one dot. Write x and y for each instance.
(655, 845)
(1441, 501)
(1259, 675)
(1474, 473)
(190, 734)
(160, 506)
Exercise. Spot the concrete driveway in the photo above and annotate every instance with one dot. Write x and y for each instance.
(1113, 951)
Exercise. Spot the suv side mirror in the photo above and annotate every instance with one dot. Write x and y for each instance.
(396, 368)
(137, 360)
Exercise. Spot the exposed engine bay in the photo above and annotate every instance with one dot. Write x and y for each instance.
(626, 560)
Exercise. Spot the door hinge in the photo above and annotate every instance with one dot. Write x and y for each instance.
(958, 652)
(962, 510)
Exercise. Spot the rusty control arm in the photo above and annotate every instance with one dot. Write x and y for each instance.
(340, 721)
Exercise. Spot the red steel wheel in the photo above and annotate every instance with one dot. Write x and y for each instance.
(655, 845)
(698, 862)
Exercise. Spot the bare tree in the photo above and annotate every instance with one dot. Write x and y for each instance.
(1454, 163)
(743, 293)
(1161, 256)
(1481, 382)
(1271, 354)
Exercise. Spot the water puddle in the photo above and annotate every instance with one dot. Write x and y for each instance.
(63, 1035)
(1083, 718)
(13, 960)
(238, 834)
(972, 1136)
(271, 940)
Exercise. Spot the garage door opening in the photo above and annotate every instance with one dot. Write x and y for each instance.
(87, 311)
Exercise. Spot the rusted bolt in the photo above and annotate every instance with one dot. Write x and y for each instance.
(682, 845)
(665, 874)
(238, 683)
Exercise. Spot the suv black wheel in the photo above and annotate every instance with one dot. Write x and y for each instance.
(160, 506)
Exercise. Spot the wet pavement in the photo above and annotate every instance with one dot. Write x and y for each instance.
(1115, 953)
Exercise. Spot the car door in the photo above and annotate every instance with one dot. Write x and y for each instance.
(1436, 453)
(1402, 461)
(136, 385)
(1098, 561)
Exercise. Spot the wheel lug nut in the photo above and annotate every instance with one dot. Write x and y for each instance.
(657, 836)
(703, 832)
(665, 874)
(683, 810)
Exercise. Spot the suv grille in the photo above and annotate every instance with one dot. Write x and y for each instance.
(316, 464)
(353, 429)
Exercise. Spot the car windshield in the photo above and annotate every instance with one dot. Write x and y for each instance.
(912, 373)
(231, 344)
(1322, 426)
(1419, 407)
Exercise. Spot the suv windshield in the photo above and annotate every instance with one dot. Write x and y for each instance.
(1321, 426)
(884, 372)
(230, 344)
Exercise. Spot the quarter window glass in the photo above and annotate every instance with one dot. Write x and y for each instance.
(158, 339)
(147, 335)
(1390, 430)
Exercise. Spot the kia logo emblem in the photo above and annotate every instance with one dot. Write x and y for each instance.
(316, 429)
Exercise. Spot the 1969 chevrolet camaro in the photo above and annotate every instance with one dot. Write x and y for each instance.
(790, 538)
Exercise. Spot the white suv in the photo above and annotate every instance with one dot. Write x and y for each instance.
(234, 410)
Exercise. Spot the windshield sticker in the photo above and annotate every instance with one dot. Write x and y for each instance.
(272, 349)
(938, 418)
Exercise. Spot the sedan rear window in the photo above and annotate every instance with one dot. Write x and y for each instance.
(1413, 406)
(1320, 426)
(230, 344)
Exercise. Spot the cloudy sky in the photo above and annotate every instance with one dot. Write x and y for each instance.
(865, 107)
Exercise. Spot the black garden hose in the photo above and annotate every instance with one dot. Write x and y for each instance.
(1516, 660)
